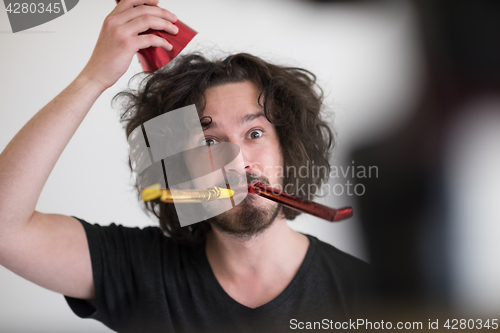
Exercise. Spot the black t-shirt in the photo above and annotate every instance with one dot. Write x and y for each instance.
(146, 282)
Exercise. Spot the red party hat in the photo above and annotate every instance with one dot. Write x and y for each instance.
(154, 58)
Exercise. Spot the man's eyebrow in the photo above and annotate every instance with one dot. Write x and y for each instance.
(244, 119)
(251, 116)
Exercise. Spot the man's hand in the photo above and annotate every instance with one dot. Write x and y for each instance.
(120, 38)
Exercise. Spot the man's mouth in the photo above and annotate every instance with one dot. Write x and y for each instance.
(243, 184)
(239, 189)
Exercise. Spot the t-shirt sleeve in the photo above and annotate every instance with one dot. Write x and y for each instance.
(119, 258)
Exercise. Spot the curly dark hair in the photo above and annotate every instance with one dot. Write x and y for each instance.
(289, 96)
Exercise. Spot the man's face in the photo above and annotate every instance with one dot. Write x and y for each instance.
(237, 118)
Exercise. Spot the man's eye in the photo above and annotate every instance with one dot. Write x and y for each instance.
(209, 142)
(255, 134)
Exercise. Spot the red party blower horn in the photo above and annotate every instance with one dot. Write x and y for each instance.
(154, 58)
(302, 205)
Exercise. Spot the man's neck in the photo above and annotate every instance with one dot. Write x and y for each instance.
(277, 250)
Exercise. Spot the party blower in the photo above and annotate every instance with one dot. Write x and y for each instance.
(155, 192)
(154, 58)
(305, 206)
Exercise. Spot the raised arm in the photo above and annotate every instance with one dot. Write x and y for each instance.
(48, 249)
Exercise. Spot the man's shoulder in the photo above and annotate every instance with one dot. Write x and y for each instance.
(144, 248)
(342, 274)
(134, 238)
(338, 260)
(114, 229)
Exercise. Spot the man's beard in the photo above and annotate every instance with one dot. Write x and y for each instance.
(248, 220)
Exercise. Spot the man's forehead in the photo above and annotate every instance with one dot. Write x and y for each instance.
(214, 122)
(240, 95)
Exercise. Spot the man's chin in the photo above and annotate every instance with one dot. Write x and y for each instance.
(249, 218)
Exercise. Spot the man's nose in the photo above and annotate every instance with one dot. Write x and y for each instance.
(251, 164)
(246, 160)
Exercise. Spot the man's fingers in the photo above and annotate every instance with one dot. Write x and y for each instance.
(148, 40)
(146, 22)
(123, 5)
(133, 13)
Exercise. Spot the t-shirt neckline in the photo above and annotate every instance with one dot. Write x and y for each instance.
(223, 296)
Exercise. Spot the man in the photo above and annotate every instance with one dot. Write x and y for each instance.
(240, 271)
